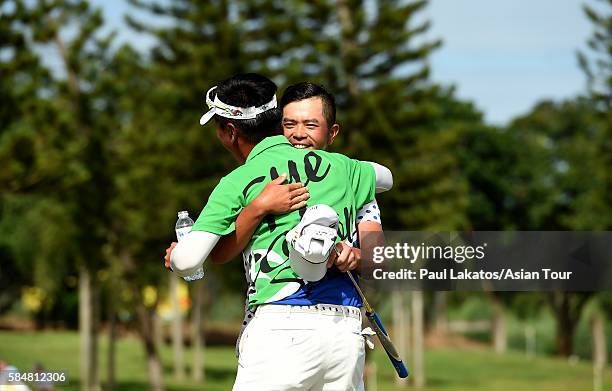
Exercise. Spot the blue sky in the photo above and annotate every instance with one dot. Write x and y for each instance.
(504, 55)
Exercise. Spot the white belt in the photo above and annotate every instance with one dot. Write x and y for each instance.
(324, 309)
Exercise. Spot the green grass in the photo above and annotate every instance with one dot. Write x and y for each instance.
(474, 369)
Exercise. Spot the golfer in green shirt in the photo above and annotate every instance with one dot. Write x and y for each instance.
(248, 125)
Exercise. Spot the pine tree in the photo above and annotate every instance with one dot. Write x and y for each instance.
(77, 115)
(597, 65)
(40, 163)
(22, 74)
(372, 55)
(44, 161)
(374, 58)
(142, 180)
(562, 191)
(198, 47)
(596, 204)
(561, 152)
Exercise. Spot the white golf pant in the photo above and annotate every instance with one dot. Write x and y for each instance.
(315, 348)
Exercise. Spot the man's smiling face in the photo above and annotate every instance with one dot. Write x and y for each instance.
(305, 126)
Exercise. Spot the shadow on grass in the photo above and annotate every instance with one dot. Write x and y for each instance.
(215, 374)
(131, 386)
(220, 374)
(119, 385)
(434, 381)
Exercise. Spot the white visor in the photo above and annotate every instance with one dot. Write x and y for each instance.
(312, 241)
(228, 111)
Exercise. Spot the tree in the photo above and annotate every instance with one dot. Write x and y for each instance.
(197, 49)
(83, 57)
(373, 57)
(566, 140)
(598, 201)
(503, 169)
(597, 65)
(142, 209)
(374, 62)
(30, 156)
(60, 118)
(368, 56)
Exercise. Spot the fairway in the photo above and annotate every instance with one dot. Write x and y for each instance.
(466, 369)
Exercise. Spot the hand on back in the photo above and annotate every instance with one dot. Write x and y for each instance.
(279, 198)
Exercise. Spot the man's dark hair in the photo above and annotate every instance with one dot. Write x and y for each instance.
(247, 90)
(306, 90)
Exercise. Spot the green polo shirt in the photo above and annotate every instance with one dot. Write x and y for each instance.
(333, 179)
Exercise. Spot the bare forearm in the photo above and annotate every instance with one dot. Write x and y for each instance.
(370, 235)
(231, 245)
(275, 198)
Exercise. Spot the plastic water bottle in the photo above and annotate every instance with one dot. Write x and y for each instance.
(183, 227)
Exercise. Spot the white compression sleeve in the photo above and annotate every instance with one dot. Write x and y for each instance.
(190, 253)
(384, 177)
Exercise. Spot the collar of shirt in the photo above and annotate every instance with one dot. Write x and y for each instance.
(266, 143)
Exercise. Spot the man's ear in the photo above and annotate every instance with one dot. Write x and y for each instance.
(333, 132)
(232, 132)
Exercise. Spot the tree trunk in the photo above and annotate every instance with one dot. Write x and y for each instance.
(158, 329)
(564, 338)
(530, 341)
(95, 330)
(567, 308)
(112, 337)
(600, 354)
(418, 344)
(85, 327)
(440, 311)
(156, 381)
(498, 329)
(88, 294)
(197, 373)
(87, 331)
(156, 378)
(177, 330)
(371, 382)
(565, 329)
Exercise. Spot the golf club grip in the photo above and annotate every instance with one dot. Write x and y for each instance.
(390, 349)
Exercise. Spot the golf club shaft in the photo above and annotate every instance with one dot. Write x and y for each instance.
(381, 333)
